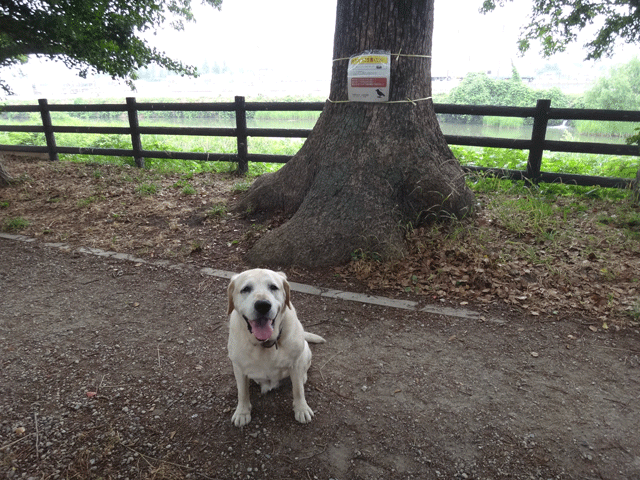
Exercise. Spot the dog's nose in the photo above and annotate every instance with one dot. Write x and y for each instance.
(262, 306)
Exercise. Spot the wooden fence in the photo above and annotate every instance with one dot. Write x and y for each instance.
(541, 115)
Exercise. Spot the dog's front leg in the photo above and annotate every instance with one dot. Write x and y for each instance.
(242, 415)
(302, 411)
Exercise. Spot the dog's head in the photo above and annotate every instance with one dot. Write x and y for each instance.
(259, 296)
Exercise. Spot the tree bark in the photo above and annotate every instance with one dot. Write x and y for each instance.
(367, 169)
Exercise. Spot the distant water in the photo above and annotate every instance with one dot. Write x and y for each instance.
(560, 132)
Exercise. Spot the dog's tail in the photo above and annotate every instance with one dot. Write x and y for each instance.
(313, 338)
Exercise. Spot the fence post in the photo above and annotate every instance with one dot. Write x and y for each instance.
(538, 134)
(241, 136)
(47, 126)
(136, 142)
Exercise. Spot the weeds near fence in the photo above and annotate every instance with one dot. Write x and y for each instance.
(604, 129)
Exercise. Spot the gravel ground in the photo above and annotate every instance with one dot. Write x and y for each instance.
(115, 369)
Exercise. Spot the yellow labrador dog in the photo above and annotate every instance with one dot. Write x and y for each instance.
(266, 340)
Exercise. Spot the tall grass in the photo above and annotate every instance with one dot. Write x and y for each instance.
(607, 129)
(301, 116)
(503, 122)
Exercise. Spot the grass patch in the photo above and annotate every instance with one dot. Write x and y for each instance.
(217, 210)
(85, 202)
(241, 187)
(625, 219)
(582, 164)
(491, 157)
(14, 224)
(188, 189)
(524, 215)
(634, 311)
(147, 189)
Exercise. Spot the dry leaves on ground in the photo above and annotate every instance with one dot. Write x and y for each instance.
(552, 257)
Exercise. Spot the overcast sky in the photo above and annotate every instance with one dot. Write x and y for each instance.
(297, 35)
(300, 33)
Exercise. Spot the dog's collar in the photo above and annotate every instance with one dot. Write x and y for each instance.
(266, 343)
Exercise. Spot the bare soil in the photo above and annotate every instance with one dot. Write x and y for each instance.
(118, 369)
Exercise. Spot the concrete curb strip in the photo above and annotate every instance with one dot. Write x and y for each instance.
(296, 287)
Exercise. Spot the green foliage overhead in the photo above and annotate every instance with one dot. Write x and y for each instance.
(556, 23)
(98, 36)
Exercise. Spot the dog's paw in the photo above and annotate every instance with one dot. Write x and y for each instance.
(241, 417)
(303, 413)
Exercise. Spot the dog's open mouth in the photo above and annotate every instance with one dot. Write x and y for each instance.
(262, 328)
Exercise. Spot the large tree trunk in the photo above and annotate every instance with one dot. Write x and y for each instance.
(367, 169)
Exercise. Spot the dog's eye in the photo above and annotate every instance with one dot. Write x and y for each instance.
(246, 289)
(273, 288)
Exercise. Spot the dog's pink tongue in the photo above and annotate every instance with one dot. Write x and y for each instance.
(262, 331)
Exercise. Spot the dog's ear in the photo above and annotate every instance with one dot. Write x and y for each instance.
(230, 290)
(287, 289)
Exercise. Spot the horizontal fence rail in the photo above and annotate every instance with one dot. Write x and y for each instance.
(536, 145)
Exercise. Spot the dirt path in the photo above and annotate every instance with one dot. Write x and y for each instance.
(397, 394)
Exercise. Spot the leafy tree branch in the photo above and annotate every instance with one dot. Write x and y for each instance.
(98, 36)
(557, 23)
